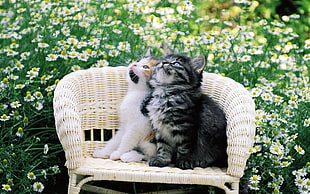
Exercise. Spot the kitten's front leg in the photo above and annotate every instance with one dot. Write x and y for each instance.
(184, 158)
(110, 147)
(128, 142)
(164, 154)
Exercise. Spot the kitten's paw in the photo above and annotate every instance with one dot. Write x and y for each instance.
(101, 154)
(158, 161)
(184, 164)
(116, 155)
(132, 156)
(202, 164)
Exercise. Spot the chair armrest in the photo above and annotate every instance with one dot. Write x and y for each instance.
(68, 120)
(240, 131)
(240, 113)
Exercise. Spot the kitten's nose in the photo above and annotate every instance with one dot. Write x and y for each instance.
(165, 66)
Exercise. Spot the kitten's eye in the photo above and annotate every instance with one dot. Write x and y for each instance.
(146, 67)
(176, 64)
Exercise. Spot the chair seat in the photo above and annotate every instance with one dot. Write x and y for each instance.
(106, 169)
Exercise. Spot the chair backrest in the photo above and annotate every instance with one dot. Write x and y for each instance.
(94, 96)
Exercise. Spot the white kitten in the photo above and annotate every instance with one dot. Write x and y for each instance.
(132, 141)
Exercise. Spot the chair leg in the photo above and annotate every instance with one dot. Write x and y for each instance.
(73, 184)
(233, 189)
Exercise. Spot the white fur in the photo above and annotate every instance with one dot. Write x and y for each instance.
(134, 127)
(132, 156)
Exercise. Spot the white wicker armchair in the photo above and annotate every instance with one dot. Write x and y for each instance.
(86, 115)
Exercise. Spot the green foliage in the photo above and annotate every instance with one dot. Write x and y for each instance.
(41, 41)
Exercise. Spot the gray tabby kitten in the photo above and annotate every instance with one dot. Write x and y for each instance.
(190, 128)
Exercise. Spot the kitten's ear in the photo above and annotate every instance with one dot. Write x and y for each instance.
(148, 53)
(199, 63)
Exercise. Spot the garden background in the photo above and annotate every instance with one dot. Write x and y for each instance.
(264, 45)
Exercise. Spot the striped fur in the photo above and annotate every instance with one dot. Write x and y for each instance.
(190, 128)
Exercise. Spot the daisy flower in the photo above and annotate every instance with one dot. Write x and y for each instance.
(29, 97)
(254, 186)
(255, 179)
(38, 95)
(45, 78)
(51, 57)
(101, 63)
(75, 68)
(124, 46)
(300, 172)
(277, 149)
(81, 44)
(64, 54)
(66, 30)
(116, 31)
(15, 104)
(73, 54)
(84, 24)
(14, 77)
(38, 105)
(4, 117)
(72, 41)
(307, 122)
(19, 86)
(255, 92)
(294, 16)
(19, 132)
(94, 42)
(19, 65)
(306, 57)
(31, 176)
(43, 45)
(83, 57)
(214, 21)
(106, 5)
(50, 88)
(299, 149)
(21, 10)
(3, 106)
(38, 187)
(285, 164)
(6, 187)
(113, 53)
(11, 52)
(245, 58)
(32, 74)
(66, 11)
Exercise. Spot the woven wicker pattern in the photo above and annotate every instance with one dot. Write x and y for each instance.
(86, 115)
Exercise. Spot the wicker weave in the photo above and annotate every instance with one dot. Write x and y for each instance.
(86, 110)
